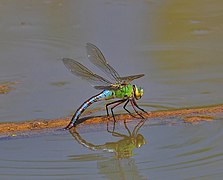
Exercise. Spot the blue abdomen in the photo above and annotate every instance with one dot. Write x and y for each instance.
(104, 95)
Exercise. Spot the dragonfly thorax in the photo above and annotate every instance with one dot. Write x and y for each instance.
(138, 92)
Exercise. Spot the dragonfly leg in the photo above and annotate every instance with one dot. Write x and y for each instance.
(113, 129)
(114, 102)
(138, 106)
(107, 108)
(127, 109)
(118, 103)
(133, 105)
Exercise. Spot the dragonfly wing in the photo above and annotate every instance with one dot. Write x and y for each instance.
(106, 87)
(128, 79)
(80, 70)
(98, 59)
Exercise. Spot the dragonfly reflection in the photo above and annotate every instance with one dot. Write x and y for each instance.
(122, 148)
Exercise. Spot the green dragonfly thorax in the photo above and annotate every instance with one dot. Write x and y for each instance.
(124, 91)
(128, 91)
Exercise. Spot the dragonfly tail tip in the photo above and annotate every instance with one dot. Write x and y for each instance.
(69, 126)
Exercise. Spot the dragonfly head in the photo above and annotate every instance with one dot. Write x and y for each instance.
(138, 92)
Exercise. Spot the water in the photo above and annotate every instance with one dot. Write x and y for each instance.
(176, 44)
(170, 152)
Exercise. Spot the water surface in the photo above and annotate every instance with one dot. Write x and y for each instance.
(177, 44)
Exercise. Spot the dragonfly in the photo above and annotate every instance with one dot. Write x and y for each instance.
(117, 87)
